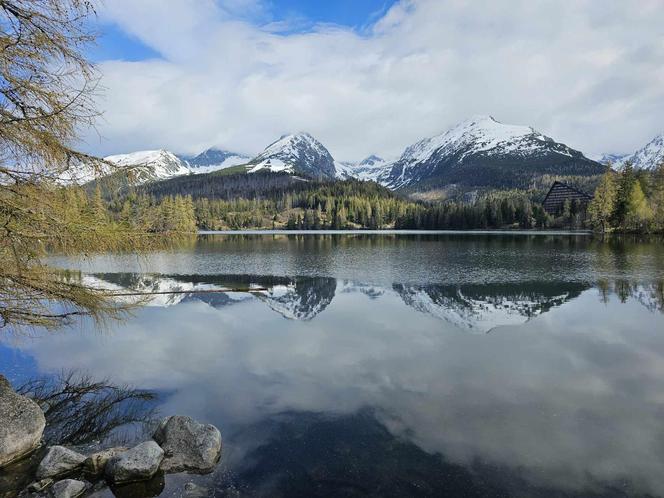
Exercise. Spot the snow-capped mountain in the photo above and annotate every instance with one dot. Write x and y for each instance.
(166, 291)
(214, 159)
(372, 168)
(144, 166)
(482, 308)
(484, 152)
(150, 165)
(301, 299)
(155, 165)
(297, 154)
(648, 157)
(612, 159)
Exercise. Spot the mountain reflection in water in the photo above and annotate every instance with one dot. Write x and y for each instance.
(366, 368)
(473, 307)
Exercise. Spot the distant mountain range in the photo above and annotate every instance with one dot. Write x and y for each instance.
(472, 308)
(373, 168)
(479, 153)
(648, 157)
(214, 159)
(478, 307)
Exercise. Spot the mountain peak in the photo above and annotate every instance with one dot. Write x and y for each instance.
(216, 158)
(482, 151)
(648, 157)
(372, 160)
(296, 153)
(492, 127)
(151, 165)
(141, 157)
(478, 118)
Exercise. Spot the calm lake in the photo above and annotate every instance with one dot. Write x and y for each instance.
(437, 364)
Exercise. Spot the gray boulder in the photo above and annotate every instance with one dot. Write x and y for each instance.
(22, 424)
(58, 461)
(69, 488)
(95, 464)
(137, 464)
(189, 445)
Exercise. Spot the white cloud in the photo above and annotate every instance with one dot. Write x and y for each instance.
(587, 73)
(569, 402)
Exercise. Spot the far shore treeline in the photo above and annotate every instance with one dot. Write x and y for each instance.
(626, 201)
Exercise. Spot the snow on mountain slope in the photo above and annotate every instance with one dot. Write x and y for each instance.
(145, 166)
(482, 150)
(614, 159)
(300, 298)
(480, 309)
(214, 159)
(478, 134)
(373, 168)
(299, 154)
(151, 165)
(344, 170)
(166, 291)
(648, 157)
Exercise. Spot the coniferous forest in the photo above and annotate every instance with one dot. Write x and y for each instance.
(629, 201)
(268, 201)
(625, 201)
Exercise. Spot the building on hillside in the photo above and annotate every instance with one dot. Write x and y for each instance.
(554, 202)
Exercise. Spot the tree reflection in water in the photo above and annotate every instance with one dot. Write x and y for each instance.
(83, 412)
(80, 410)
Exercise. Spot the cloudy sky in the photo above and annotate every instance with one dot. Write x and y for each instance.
(373, 76)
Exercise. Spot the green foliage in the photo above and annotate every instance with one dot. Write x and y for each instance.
(366, 205)
(46, 98)
(601, 208)
(349, 204)
(629, 201)
(147, 214)
(638, 210)
(511, 209)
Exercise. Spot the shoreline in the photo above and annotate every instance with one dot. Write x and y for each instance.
(395, 232)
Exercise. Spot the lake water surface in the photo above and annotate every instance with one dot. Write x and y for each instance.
(392, 364)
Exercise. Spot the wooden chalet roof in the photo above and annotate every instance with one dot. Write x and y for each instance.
(559, 193)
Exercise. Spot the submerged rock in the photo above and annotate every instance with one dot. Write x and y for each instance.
(137, 464)
(193, 490)
(68, 488)
(58, 461)
(189, 445)
(140, 489)
(96, 463)
(22, 424)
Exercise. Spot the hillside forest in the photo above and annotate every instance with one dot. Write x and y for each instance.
(628, 200)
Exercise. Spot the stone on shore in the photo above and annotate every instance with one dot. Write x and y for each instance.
(95, 464)
(189, 445)
(39, 486)
(68, 488)
(22, 424)
(58, 461)
(137, 464)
